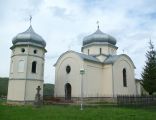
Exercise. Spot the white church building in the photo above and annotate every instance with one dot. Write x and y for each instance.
(106, 74)
(96, 72)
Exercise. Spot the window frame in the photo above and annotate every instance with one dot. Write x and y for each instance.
(100, 51)
(33, 67)
(124, 75)
(68, 69)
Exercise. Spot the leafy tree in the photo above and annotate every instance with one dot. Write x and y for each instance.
(149, 71)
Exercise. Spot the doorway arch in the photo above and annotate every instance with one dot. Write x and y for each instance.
(68, 91)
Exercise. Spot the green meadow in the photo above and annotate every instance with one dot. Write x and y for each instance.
(71, 112)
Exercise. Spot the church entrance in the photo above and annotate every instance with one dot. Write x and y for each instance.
(67, 91)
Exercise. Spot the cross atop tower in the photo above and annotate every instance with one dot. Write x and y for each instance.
(30, 19)
(97, 24)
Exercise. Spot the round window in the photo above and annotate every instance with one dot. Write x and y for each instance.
(23, 50)
(68, 69)
(35, 51)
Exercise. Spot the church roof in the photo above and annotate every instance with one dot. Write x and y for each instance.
(109, 60)
(88, 57)
(113, 58)
(82, 56)
(29, 36)
(99, 37)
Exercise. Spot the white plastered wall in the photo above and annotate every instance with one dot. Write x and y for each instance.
(61, 77)
(107, 90)
(92, 79)
(16, 90)
(97, 80)
(95, 50)
(138, 86)
(17, 56)
(31, 89)
(22, 85)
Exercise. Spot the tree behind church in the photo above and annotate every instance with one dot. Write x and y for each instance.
(149, 71)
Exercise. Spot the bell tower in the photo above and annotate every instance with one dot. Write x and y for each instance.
(26, 67)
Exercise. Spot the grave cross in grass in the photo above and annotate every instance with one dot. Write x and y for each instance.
(38, 100)
(38, 90)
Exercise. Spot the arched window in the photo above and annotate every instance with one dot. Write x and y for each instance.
(33, 69)
(100, 51)
(88, 51)
(124, 78)
(21, 66)
(68, 69)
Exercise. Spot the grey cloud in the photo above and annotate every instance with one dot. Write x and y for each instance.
(78, 40)
(35, 2)
(61, 13)
(31, 8)
(57, 11)
(52, 56)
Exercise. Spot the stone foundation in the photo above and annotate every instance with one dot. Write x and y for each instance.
(14, 102)
(88, 100)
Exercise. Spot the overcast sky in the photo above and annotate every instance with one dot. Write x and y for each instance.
(64, 23)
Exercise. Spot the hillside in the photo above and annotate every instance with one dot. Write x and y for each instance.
(3, 86)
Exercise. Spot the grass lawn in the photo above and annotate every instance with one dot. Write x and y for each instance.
(62, 112)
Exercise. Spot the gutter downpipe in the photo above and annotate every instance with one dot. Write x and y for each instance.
(113, 82)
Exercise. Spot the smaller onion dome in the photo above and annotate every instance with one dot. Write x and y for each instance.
(99, 36)
(28, 36)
